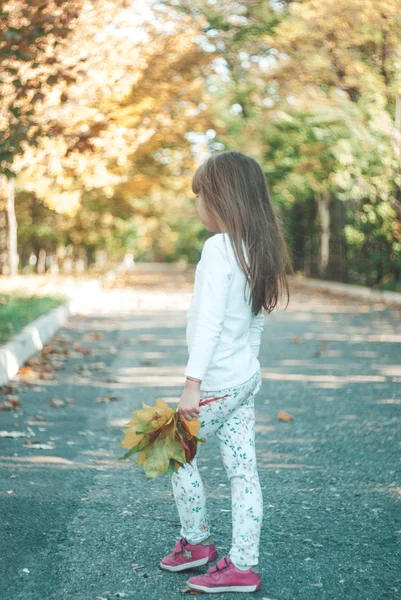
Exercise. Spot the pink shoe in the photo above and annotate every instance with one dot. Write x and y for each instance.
(225, 577)
(187, 556)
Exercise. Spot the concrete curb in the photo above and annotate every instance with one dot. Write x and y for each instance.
(345, 289)
(31, 340)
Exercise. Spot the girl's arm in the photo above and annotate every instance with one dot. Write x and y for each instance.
(213, 290)
(255, 332)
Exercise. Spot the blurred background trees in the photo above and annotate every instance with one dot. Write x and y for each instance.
(108, 107)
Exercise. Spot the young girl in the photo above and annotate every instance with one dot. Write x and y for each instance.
(241, 272)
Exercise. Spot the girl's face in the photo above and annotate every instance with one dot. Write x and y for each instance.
(208, 220)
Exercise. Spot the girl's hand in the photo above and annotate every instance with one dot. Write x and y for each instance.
(188, 407)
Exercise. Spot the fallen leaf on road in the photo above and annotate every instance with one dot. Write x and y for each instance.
(6, 390)
(47, 368)
(57, 403)
(9, 404)
(12, 398)
(12, 434)
(284, 416)
(26, 371)
(110, 380)
(146, 363)
(82, 350)
(96, 335)
(296, 340)
(187, 590)
(38, 445)
(50, 350)
(107, 398)
(97, 366)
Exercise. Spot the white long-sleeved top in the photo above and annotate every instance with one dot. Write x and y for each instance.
(223, 336)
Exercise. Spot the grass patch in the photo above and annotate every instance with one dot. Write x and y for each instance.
(17, 310)
(390, 286)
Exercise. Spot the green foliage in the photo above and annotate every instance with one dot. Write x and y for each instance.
(374, 239)
(30, 35)
(307, 88)
(18, 310)
(316, 95)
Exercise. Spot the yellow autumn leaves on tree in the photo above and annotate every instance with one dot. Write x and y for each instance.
(165, 440)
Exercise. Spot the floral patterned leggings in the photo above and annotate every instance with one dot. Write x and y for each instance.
(232, 418)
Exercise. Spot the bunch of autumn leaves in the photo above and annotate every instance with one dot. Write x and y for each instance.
(165, 440)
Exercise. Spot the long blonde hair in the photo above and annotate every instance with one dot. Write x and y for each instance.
(236, 194)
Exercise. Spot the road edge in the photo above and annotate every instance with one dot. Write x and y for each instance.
(31, 339)
(347, 289)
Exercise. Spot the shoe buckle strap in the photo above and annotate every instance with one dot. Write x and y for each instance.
(182, 543)
(221, 564)
(178, 548)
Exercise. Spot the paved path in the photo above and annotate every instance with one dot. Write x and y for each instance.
(77, 523)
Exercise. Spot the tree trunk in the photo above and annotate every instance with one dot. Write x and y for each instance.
(12, 229)
(337, 267)
(53, 264)
(3, 243)
(323, 201)
(41, 266)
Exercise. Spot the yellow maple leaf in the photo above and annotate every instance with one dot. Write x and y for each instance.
(131, 438)
(155, 415)
(192, 426)
(282, 415)
(163, 405)
(141, 458)
(146, 414)
(170, 428)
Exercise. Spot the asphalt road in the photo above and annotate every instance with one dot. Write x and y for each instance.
(77, 523)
